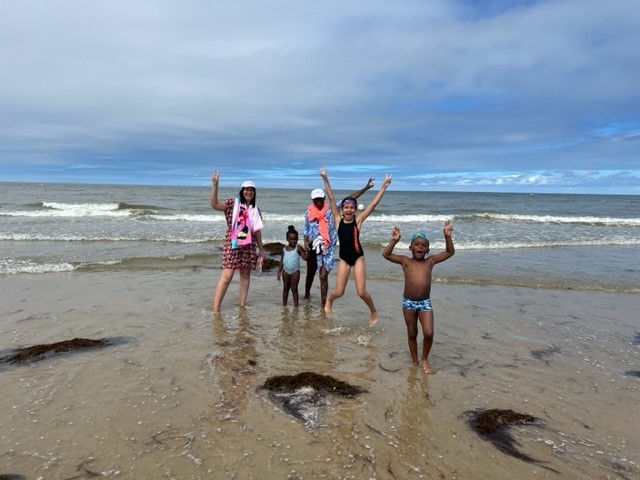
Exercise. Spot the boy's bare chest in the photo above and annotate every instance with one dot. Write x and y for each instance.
(416, 268)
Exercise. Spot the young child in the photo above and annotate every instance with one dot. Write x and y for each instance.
(289, 268)
(416, 304)
(351, 254)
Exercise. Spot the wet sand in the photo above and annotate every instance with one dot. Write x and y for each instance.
(178, 397)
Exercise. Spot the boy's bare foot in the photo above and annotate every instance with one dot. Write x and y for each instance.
(426, 367)
(373, 319)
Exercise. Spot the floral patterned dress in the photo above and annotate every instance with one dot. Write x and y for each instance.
(241, 257)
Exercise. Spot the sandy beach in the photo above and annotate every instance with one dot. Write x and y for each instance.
(177, 396)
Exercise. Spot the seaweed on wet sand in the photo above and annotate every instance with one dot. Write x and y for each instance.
(38, 352)
(493, 425)
(303, 395)
(489, 421)
(323, 383)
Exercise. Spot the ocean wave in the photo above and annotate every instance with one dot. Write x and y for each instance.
(109, 209)
(161, 263)
(541, 285)
(392, 276)
(144, 208)
(207, 260)
(491, 244)
(11, 268)
(41, 237)
(188, 218)
(55, 209)
(582, 220)
(368, 245)
(414, 218)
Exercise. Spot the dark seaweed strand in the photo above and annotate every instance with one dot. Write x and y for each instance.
(320, 382)
(38, 352)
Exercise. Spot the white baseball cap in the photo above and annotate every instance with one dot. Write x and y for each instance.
(248, 184)
(317, 193)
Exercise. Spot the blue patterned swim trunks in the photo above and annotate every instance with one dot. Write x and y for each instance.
(417, 305)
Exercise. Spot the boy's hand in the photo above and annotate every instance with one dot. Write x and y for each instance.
(395, 234)
(448, 228)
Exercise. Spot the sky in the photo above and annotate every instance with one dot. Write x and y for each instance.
(446, 95)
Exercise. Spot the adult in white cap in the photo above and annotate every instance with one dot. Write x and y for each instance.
(320, 238)
(242, 237)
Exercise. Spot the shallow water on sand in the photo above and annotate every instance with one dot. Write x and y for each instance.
(179, 398)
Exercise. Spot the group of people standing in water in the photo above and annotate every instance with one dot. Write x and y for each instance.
(327, 224)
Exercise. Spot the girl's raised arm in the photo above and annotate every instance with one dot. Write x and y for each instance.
(330, 197)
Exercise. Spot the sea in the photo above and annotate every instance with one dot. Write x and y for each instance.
(536, 317)
(556, 241)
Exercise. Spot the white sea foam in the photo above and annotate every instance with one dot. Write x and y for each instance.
(419, 218)
(628, 222)
(54, 209)
(10, 268)
(43, 237)
(504, 245)
(188, 218)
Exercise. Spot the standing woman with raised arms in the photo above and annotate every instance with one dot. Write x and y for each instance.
(351, 254)
(243, 235)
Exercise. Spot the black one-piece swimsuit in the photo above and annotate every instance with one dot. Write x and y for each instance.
(350, 248)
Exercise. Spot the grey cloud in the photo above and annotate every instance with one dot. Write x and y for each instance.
(437, 86)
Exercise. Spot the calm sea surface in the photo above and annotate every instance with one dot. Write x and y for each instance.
(586, 242)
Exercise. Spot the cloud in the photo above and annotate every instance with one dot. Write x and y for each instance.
(437, 87)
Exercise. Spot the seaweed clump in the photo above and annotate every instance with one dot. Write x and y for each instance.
(492, 425)
(322, 383)
(489, 421)
(303, 395)
(41, 351)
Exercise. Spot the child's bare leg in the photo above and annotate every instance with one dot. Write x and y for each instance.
(426, 320)
(286, 286)
(411, 319)
(294, 280)
(341, 283)
(360, 273)
(328, 304)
